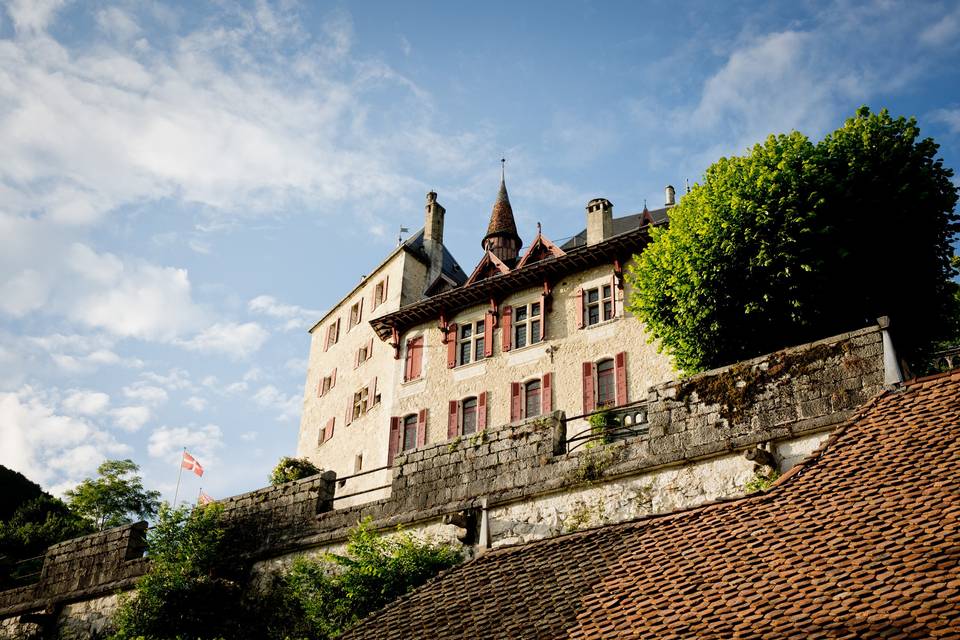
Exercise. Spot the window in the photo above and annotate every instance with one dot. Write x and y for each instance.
(333, 334)
(356, 311)
(598, 305)
(531, 399)
(358, 463)
(326, 432)
(414, 360)
(327, 383)
(469, 416)
(471, 342)
(606, 385)
(526, 325)
(380, 293)
(364, 353)
(360, 402)
(410, 432)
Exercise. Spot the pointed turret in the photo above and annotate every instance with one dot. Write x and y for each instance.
(502, 238)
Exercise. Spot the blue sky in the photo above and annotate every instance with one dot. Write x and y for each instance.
(184, 188)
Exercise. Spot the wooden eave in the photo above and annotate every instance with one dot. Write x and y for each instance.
(540, 242)
(551, 269)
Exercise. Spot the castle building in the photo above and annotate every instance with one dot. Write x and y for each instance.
(421, 352)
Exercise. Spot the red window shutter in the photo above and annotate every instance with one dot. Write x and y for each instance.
(393, 444)
(588, 399)
(417, 364)
(579, 308)
(360, 311)
(620, 372)
(386, 281)
(482, 411)
(546, 399)
(333, 378)
(506, 329)
(370, 349)
(408, 364)
(320, 388)
(543, 317)
(613, 296)
(453, 420)
(488, 336)
(336, 332)
(372, 393)
(422, 428)
(356, 359)
(326, 339)
(328, 430)
(348, 416)
(452, 346)
(516, 402)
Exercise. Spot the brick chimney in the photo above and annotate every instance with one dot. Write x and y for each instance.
(599, 220)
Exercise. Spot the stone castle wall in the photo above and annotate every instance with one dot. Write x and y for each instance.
(528, 480)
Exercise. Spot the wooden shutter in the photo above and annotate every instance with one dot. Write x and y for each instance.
(422, 428)
(579, 308)
(516, 402)
(360, 311)
(320, 387)
(372, 393)
(452, 346)
(488, 336)
(620, 372)
(370, 349)
(613, 296)
(482, 411)
(393, 443)
(348, 416)
(336, 332)
(328, 430)
(543, 317)
(588, 397)
(408, 363)
(386, 281)
(453, 420)
(326, 338)
(356, 359)
(333, 378)
(417, 365)
(506, 329)
(546, 398)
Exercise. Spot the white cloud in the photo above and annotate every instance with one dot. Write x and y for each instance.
(196, 403)
(297, 366)
(87, 403)
(32, 15)
(145, 393)
(949, 117)
(167, 443)
(174, 379)
(286, 406)
(48, 447)
(238, 341)
(131, 418)
(293, 316)
(117, 23)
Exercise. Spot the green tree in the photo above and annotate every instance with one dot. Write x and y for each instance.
(187, 593)
(335, 594)
(797, 241)
(289, 469)
(115, 497)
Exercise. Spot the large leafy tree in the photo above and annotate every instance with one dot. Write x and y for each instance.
(796, 241)
(115, 497)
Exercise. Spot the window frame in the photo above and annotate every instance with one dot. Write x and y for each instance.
(405, 424)
(525, 386)
(361, 402)
(605, 304)
(463, 414)
(356, 314)
(408, 358)
(606, 378)
(476, 341)
(527, 324)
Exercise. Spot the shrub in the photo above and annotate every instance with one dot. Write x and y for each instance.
(289, 469)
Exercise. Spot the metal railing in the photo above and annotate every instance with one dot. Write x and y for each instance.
(21, 573)
(342, 482)
(626, 421)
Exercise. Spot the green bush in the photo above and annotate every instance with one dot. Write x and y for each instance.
(289, 469)
(602, 424)
(337, 592)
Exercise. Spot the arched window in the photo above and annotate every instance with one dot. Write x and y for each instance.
(469, 416)
(531, 398)
(606, 384)
(410, 432)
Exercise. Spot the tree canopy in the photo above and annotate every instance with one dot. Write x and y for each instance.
(797, 241)
(115, 497)
(289, 469)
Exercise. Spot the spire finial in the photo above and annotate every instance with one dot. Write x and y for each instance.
(539, 229)
(503, 168)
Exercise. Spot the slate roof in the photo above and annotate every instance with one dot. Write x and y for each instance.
(501, 218)
(450, 268)
(620, 225)
(862, 540)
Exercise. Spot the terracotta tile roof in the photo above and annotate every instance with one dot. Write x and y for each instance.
(860, 541)
(501, 218)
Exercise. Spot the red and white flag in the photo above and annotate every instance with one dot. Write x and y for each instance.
(191, 464)
(203, 499)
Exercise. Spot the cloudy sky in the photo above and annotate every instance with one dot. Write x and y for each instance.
(185, 188)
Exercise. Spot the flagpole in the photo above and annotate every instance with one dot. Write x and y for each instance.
(179, 475)
(199, 493)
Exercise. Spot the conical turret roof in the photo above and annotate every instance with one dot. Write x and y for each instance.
(501, 218)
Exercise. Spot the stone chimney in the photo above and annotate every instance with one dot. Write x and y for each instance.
(433, 236)
(669, 196)
(599, 220)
